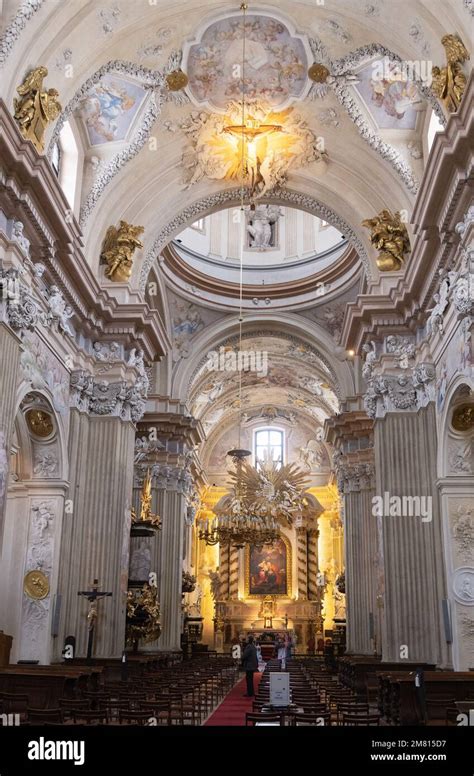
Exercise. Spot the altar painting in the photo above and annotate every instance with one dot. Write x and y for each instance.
(268, 569)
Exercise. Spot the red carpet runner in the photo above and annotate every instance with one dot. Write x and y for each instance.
(234, 707)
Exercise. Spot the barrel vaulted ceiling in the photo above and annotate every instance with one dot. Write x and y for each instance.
(108, 59)
(141, 145)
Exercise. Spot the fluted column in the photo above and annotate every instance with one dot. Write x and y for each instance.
(351, 433)
(170, 579)
(224, 569)
(313, 590)
(361, 549)
(10, 362)
(233, 573)
(301, 562)
(96, 530)
(163, 444)
(415, 586)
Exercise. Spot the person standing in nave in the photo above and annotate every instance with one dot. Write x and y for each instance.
(250, 665)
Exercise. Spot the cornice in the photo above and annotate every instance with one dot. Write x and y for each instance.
(348, 425)
(172, 421)
(180, 268)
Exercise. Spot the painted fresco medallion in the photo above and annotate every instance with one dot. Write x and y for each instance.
(276, 63)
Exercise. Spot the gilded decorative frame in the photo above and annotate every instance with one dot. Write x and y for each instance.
(289, 573)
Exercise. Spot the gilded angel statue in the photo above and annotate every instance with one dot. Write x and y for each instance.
(449, 82)
(35, 108)
(118, 249)
(390, 237)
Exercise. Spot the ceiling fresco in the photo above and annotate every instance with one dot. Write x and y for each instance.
(275, 65)
(110, 108)
(393, 102)
(294, 379)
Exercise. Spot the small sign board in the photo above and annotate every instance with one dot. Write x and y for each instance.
(279, 688)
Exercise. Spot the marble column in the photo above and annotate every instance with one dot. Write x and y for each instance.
(301, 562)
(158, 507)
(313, 589)
(171, 480)
(351, 433)
(361, 549)
(224, 567)
(234, 573)
(415, 585)
(166, 441)
(96, 530)
(10, 350)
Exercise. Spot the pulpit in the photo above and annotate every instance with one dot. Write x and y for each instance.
(5, 647)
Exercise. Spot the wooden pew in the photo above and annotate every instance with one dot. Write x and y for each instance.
(359, 671)
(45, 685)
(5, 648)
(401, 699)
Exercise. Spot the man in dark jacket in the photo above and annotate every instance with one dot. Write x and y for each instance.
(250, 664)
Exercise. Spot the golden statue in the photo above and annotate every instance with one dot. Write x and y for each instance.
(36, 108)
(390, 237)
(146, 515)
(143, 615)
(449, 82)
(118, 249)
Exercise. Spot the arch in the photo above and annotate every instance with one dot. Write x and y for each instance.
(24, 391)
(281, 324)
(230, 197)
(460, 390)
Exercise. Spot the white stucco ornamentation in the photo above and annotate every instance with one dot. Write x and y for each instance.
(408, 391)
(34, 619)
(102, 398)
(17, 305)
(463, 585)
(463, 531)
(25, 12)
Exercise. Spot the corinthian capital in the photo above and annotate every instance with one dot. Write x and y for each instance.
(102, 398)
(408, 391)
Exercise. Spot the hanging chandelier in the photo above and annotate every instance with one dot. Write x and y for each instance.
(278, 493)
(234, 523)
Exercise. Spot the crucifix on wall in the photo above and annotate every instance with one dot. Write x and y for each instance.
(93, 597)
